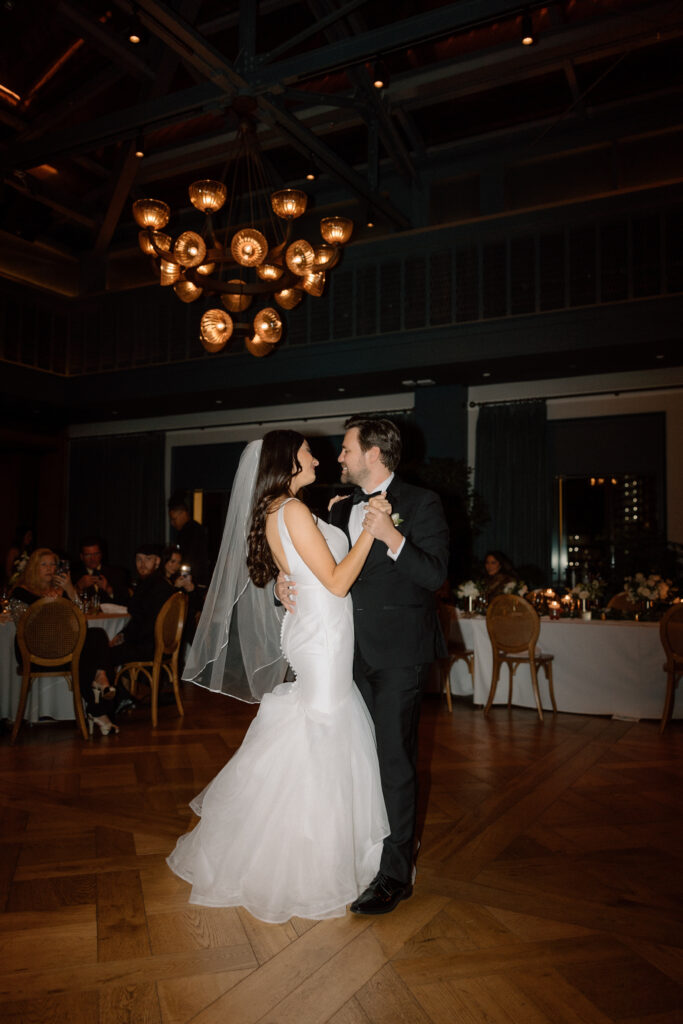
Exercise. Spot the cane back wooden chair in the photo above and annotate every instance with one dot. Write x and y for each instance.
(513, 627)
(448, 619)
(671, 635)
(50, 637)
(168, 631)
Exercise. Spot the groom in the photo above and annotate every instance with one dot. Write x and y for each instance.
(397, 635)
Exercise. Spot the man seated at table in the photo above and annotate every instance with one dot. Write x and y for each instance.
(92, 573)
(152, 590)
(191, 538)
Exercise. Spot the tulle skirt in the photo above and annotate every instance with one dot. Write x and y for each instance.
(294, 823)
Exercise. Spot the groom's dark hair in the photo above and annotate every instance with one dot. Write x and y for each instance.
(382, 433)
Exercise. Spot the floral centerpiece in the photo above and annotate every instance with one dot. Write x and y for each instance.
(641, 588)
(591, 590)
(470, 592)
(518, 587)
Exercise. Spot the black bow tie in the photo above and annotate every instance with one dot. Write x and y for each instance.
(360, 495)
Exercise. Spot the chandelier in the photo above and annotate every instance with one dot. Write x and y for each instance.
(251, 261)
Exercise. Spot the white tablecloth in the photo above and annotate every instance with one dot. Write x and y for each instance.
(50, 696)
(599, 668)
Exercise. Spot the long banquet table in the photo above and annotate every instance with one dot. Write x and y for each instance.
(599, 668)
(50, 697)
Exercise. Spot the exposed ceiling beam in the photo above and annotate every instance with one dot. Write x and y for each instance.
(186, 41)
(405, 32)
(105, 40)
(379, 115)
(142, 117)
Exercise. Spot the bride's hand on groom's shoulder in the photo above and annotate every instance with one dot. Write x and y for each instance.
(335, 499)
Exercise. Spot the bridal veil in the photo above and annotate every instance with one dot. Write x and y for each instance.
(236, 649)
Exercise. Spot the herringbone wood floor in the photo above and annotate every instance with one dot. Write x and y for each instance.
(549, 885)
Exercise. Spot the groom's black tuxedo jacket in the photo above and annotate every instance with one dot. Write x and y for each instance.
(394, 608)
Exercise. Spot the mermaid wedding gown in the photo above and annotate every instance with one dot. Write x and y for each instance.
(293, 825)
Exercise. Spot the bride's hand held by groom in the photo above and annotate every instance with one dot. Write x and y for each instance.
(379, 524)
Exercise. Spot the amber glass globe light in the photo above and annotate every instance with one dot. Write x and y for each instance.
(326, 256)
(170, 272)
(269, 272)
(300, 257)
(268, 325)
(151, 213)
(257, 347)
(236, 302)
(207, 196)
(206, 268)
(289, 203)
(216, 327)
(187, 291)
(288, 298)
(161, 241)
(314, 283)
(190, 249)
(336, 230)
(249, 247)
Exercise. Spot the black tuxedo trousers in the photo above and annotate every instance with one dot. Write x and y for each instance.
(397, 636)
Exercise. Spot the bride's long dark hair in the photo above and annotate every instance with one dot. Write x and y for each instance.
(277, 466)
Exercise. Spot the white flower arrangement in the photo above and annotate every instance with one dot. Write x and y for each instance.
(591, 589)
(471, 588)
(396, 519)
(646, 588)
(517, 587)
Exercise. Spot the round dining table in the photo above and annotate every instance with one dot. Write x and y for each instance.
(50, 696)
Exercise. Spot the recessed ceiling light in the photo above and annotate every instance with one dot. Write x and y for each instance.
(219, 401)
(425, 382)
(408, 383)
(341, 390)
(660, 355)
(486, 373)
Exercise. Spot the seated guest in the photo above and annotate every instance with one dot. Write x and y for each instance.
(152, 590)
(498, 572)
(102, 700)
(191, 538)
(173, 569)
(93, 574)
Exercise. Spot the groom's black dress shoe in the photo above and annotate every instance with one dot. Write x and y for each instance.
(381, 896)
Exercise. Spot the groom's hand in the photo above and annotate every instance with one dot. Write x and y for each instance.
(378, 523)
(285, 592)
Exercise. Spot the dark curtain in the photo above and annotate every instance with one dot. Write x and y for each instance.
(116, 490)
(513, 479)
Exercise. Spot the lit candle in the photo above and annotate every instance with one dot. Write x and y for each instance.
(554, 607)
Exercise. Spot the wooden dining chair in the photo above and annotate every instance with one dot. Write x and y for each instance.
(50, 637)
(620, 603)
(457, 651)
(168, 632)
(671, 635)
(513, 627)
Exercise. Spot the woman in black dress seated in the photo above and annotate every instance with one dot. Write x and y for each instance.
(498, 573)
(95, 670)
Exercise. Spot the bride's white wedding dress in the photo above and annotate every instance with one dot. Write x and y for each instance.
(293, 825)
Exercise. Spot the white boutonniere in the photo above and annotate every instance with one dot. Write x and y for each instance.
(396, 519)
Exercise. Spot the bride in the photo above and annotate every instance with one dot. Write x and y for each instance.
(293, 825)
